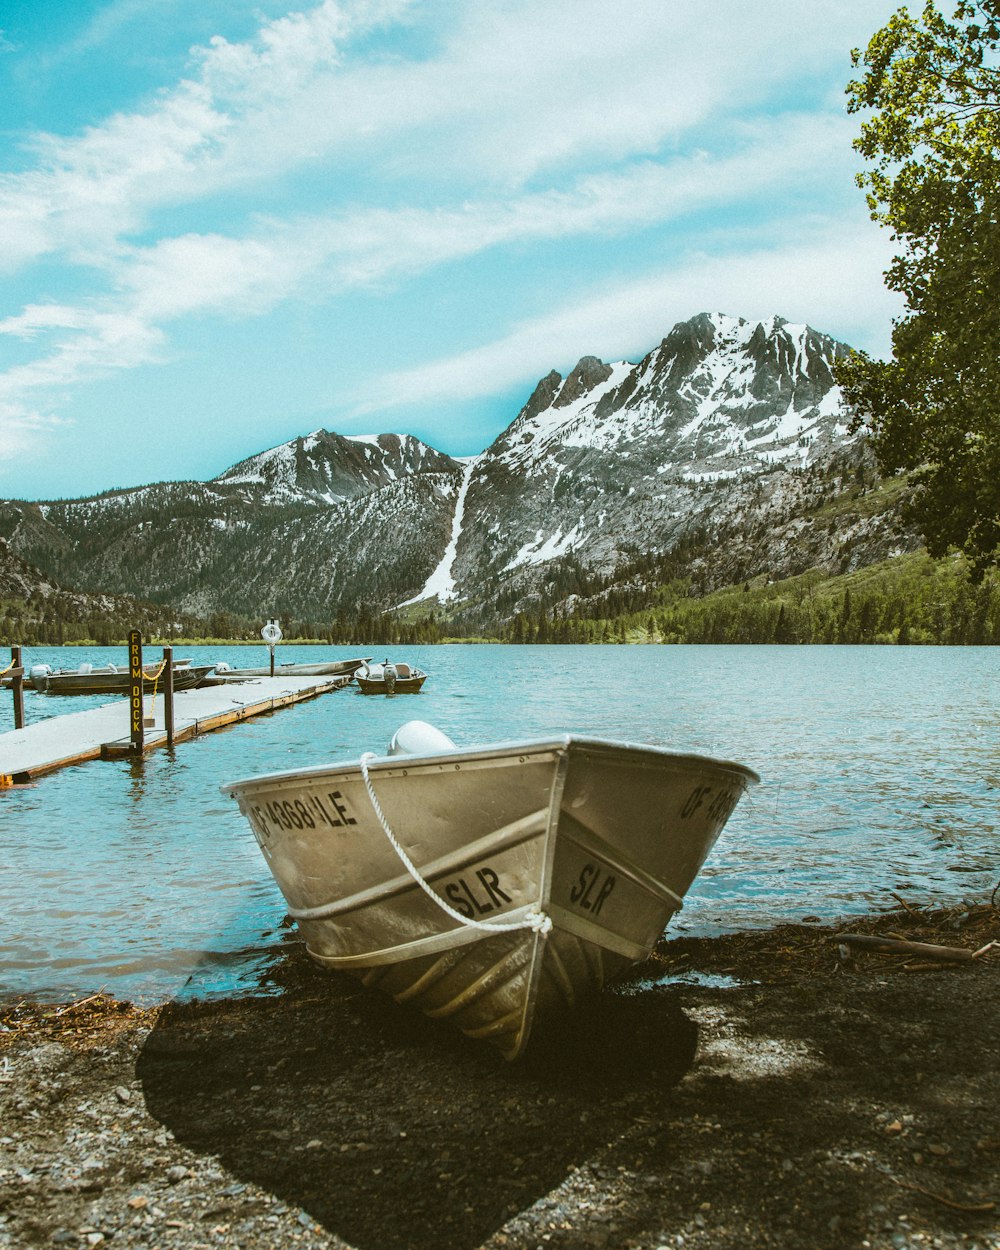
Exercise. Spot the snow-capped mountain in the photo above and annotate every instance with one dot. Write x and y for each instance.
(719, 394)
(727, 441)
(329, 468)
(619, 459)
(301, 526)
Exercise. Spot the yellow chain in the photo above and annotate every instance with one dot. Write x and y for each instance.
(156, 681)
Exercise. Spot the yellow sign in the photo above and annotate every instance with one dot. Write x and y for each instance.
(135, 689)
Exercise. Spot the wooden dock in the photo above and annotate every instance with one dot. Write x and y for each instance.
(103, 732)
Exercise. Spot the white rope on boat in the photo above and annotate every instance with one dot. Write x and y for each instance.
(535, 920)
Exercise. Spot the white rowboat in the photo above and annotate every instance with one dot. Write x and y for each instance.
(496, 885)
(324, 668)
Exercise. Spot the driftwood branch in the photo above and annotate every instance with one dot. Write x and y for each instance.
(945, 1201)
(914, 911)
(894, 946)
(82, 1002)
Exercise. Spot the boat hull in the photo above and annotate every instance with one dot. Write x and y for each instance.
(377, 685)
(185, 678)
(602, 838)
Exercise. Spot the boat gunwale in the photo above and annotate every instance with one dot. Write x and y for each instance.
(71, 682)
(302, 668)
(561, 744)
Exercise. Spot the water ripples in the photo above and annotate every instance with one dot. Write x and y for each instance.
(880, 768)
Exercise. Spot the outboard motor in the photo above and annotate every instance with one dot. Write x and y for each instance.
(390, 677)
(417, 737)
(38, 675)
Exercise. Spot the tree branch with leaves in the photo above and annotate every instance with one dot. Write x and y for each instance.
(929, 94)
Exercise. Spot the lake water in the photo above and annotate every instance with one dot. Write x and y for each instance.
(880, 767)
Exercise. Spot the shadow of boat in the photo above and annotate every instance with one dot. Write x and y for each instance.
(391, 1130)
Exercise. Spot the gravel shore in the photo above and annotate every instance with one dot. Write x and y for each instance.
(780, 1089)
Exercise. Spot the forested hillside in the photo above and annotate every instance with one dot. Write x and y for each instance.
(909, 599)
(35, 610)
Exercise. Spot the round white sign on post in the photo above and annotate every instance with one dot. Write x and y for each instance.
(271, 633)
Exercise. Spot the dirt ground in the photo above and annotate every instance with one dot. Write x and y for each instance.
(780, 1089)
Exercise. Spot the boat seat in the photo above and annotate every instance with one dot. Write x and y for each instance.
(403, 670)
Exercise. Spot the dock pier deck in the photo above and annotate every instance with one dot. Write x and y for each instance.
(103, 732)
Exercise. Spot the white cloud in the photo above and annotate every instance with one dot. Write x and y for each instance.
(93, 345)
(517, 88)
(38, 317)
(373, 245)
(88, 190)
(110, 21)
(831, 281)
(228, 276)
(23, 430)
(515, 124)
(520, 89)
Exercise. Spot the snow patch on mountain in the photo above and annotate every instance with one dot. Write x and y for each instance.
(324, 468)
(558, 407)
(543, 549)
(718, 475)
(441, 583)
(252, 471)
(717, 395)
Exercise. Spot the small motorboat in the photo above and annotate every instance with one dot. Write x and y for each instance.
(108, 679)
(490, 886)
(389, 678)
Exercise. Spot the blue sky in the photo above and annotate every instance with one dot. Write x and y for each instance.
(224, 224)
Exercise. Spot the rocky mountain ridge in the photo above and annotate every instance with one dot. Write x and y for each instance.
(727, 443)
(328, 468)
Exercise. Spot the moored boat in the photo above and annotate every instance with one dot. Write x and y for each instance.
(490, 886)
(111, 680)
(324, 668)
(390, 678)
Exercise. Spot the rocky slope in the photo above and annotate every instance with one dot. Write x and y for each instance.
(728, 441)
(722, 418)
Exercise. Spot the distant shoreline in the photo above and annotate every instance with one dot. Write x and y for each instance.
(487, 642)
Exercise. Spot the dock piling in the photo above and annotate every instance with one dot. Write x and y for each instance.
(271, 633)
(168, 694)
(17, 686)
